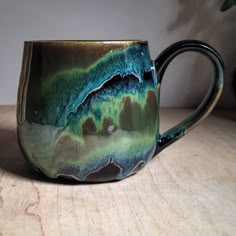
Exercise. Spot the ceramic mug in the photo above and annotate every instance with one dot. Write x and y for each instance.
(89, 110)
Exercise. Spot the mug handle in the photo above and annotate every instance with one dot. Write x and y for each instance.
(211, 98)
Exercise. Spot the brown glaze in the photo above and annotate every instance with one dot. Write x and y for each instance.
(89, 126)
(151, 109)
(107, 173)
(131, 116)
(107, 122)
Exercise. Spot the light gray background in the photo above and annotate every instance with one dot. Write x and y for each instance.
(161, 22)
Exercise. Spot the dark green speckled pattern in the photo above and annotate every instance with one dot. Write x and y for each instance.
(93, 121)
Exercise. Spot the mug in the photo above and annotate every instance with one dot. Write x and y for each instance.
(89, 110)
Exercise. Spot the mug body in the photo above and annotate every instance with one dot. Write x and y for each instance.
(88, 110)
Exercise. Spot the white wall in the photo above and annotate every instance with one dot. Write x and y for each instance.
(160, 22)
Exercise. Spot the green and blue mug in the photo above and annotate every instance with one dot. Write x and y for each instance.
(89, 110)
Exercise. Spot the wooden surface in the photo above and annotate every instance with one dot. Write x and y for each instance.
(189, 189)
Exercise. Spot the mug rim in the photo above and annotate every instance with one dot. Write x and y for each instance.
(122, 41)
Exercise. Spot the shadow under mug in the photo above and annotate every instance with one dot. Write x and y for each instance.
(89, 110)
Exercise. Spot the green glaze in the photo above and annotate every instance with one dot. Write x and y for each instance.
(92, 124)
(89, 110)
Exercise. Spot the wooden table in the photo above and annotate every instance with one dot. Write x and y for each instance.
(189, 189)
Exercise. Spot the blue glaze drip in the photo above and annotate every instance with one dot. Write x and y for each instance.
(65, 91)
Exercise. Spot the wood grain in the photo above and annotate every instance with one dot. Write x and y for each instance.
(190, 189)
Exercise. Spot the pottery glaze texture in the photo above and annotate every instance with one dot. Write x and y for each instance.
(86, 110)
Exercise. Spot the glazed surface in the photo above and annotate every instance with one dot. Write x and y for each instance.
(91, 121)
